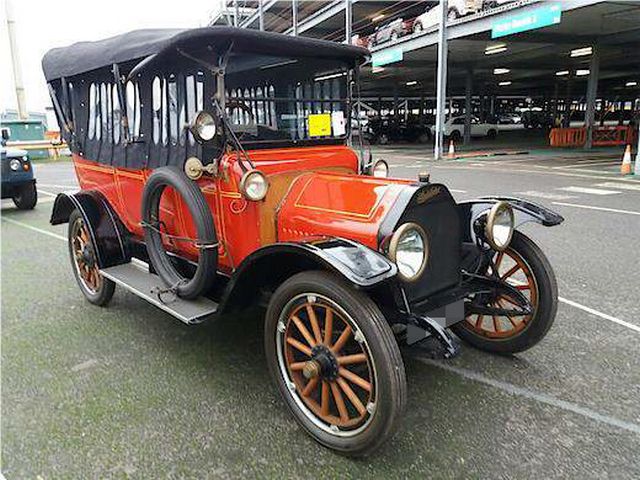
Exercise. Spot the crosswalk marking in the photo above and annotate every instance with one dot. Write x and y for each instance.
(547, 195)
(590, 191)
(621, 186)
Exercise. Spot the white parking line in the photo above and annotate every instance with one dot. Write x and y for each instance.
(54, 185)
(49, 194)
(620, 185)
(604, 316)
(539, 397)
(590, 191)
(546, 195)
(35, 229)
(602, 209)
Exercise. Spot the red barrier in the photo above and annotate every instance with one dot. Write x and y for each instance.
(602, 136)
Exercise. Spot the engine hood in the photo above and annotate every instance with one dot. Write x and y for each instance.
(347, 206)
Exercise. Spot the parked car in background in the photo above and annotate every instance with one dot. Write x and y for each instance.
(391, 31)
(454, 128)
(455, 9)
(509, 119)
(18, 182)
(388, 129)
(489, 4)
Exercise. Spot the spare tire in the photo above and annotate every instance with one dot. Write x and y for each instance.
(192, 196)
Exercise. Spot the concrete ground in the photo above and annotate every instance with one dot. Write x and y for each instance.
(128, 392)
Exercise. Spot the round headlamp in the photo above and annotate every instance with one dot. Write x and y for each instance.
(15, 164)
(409, 249)
(380, 169)
(500, 226)
(204, 127)
(254, 185)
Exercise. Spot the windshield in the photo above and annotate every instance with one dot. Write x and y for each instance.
(272, 99)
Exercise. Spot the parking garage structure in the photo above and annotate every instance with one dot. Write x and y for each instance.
(565, 70)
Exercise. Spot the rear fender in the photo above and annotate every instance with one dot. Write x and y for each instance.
(524, 211)
(268, 267)
(107, 232)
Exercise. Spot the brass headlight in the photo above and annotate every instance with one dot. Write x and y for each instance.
(254, 185)
(409, 249)
(204, 127)
(500, 226)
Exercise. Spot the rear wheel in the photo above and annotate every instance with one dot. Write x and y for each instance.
(452, 14)
(524, 266)
(492, 134)
(417, 27)
(335, 361)
(97, 289)
(27, 198)
(394, 36)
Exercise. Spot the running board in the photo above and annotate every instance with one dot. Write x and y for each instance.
(135, 277)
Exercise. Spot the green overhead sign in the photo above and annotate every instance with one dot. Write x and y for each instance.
(543, 16)
(385, 57)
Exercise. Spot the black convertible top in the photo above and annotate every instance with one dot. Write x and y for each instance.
(136, 45)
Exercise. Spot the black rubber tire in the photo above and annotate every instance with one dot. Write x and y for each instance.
(492, 134)
(455, 135)
(452, 14)
(391, 380)
(544, 315)
(204, 276)
(104, 294)
(27, 198)
(417, 27)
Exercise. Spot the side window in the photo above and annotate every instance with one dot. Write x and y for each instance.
(117, 114)
(133, 109)
(93, 104)
(172, 109)
(105, 92)
(157, 108)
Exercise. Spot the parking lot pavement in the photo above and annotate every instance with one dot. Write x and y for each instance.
(126, 391)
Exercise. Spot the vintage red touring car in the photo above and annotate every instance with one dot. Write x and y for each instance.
(217, 169)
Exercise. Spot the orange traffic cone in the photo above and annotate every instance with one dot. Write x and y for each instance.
(625, 168)
(452, 149)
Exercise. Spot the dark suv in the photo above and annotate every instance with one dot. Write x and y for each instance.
(18, 182)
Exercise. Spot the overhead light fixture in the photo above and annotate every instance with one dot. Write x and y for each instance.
(497, 48)
(377, 18)
(411, 83)
(562, 73)
(377, 69)
(504, 84)
(631, 84)
(329, 77)
(500, 71)
(581, 52)
(582, 72)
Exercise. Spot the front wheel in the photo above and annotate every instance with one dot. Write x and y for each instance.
(27, 198)
(524, 266)
(335, 361)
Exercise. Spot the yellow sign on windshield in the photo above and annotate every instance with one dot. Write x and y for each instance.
(320, 125)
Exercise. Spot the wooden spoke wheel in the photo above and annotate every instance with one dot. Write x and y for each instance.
(335, 361)
(514, 270)
(94, 286)
(327, 361)
(525, 267)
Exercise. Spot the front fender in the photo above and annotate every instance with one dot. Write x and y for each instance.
(523, 210)
(269, 266)
(107, 233)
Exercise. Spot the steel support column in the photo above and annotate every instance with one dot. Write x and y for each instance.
(348, 21)
(261, 15)
(592, 90)
(236, 13)
(441, 89)
(294, 15)
(467, 107)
